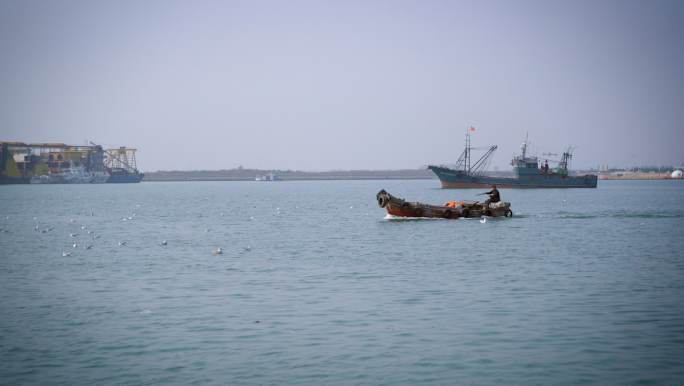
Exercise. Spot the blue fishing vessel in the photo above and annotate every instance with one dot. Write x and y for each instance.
(529, 171)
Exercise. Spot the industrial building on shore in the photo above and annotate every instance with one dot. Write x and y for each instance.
(46, 163)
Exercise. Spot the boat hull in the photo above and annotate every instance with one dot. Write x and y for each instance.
(452, 179)
(126, 179)
(468, 209)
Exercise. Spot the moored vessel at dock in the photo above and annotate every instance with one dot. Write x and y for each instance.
(122, 166)
(75, 174)
(267, 177)
(529, 172)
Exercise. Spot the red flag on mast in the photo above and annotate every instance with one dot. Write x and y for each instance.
(472, 128)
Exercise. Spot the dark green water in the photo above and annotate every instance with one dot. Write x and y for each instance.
(589, 291)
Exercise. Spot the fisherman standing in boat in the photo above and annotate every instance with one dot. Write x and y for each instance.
(493, 196)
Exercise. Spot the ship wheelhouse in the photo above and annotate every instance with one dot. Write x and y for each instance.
(524, 167)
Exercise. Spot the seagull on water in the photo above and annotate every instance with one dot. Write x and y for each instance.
(9, 218)
(641, 224)
(73, 234)
(124, 219)
(563, 200)
(87, 246)
(43, 230)
(217, 251)
(96, 236)
(248, 248)
(66, 253)
(164, 242)
(221, 214)
(36, 228)
(49, 229)
(69, 221)
(75, 245)
(89, 232)
(122, 243)
(207, 230)
(145, 312)
(483, 220)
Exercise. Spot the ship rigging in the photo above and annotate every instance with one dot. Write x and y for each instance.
(481, 166)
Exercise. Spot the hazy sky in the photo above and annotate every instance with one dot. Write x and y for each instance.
(322, 85)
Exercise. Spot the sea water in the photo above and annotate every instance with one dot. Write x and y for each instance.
(580, 286)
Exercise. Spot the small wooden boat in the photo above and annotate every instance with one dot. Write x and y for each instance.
(466, 208)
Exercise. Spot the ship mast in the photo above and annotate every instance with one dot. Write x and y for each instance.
(463, 162)
(564, 163)
(467, 149)
(524, 146)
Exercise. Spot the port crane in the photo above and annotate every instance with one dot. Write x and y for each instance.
(121, 159)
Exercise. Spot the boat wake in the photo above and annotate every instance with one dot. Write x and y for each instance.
(390, 217)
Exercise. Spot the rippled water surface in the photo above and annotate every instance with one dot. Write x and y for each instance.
(586, 291)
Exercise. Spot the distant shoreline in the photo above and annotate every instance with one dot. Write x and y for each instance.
(344, 175)
(288, 175)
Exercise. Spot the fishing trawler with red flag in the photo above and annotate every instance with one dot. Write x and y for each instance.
(529, 171)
